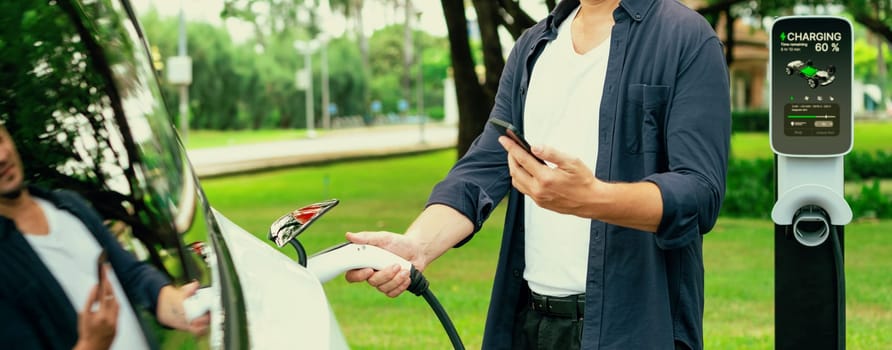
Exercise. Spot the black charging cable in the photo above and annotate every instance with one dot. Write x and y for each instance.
(301, 252)
(420, 286)
(839, 261)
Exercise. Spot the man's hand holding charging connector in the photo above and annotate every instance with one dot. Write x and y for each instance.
(172, 309)
(437, 229)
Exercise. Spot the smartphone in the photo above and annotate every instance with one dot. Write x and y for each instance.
(508, 129)
(100, 264)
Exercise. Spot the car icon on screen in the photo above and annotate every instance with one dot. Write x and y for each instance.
(813, 75)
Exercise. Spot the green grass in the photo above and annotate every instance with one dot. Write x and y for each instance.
(870, 136)
(214, 138)
(386, 194)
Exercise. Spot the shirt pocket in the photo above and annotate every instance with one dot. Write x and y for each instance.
(644, 117)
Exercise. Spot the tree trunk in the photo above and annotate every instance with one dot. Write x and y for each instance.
(515, 19)
(729, 38)
(473, 103)
(874, 25)
(488, 20)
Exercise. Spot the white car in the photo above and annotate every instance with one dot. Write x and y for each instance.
(83, 104)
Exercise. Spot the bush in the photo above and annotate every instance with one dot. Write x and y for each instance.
(871, 202)
(435, 112)
(750, 186)
(749, 191)
(866, 165)
(749, 121)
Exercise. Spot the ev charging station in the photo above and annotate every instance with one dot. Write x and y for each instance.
(811, 130)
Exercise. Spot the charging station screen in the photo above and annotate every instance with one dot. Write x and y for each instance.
(811, 86)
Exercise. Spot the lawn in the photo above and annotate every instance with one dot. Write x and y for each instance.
(386, 194)
(215, 138)
(870, 136)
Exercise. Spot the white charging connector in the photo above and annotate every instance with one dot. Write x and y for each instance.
(336, 260)
(198, 304)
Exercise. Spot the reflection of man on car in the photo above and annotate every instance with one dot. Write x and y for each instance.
(51, 294)
(813, 75)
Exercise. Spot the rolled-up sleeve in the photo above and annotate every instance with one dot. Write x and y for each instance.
(480, 179)
(697, 142)
(477, 182)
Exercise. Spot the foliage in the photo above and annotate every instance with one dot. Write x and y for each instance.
(748, 190)
(866, 165)
(30, 69)
(56, 93)
(386, 67)
(210, 47)
(346, 83)
(75, 78)
(871, 202)
(865, 59)
(252, 86)
(275, 20)
(873, 15)
(749, 121)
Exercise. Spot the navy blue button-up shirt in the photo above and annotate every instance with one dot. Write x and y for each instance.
(664, 118)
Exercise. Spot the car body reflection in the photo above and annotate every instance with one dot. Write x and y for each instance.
(83, 104)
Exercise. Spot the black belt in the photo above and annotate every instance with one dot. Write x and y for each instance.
(572, 306)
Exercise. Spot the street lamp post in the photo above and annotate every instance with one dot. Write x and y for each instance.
(305, 80)
(420, 88)
(324, 13)
(326, 114)
(179, 73)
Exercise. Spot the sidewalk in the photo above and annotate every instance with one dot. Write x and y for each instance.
(331, 145)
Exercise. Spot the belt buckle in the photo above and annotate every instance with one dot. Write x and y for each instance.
(565, 307)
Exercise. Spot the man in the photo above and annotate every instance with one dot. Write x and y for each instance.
(628, 104)
(49, 244)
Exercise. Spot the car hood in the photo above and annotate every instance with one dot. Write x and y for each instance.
(285, 304)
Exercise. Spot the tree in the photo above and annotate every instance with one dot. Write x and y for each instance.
(475, 98)
(875, 15)
(228, 81)
(473, 102)
(387, 69)
(277, 24)
(353, 9)
(65, 85)
(386, 66)
(348, 85)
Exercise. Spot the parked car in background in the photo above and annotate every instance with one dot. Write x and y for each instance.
(83, 104)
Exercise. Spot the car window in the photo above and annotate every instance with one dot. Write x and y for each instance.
(80, 100)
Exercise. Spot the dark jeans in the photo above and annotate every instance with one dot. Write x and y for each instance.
(534, 330)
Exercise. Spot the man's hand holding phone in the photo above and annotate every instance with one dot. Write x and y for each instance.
(512, 132)
(98, 321)
(564, 185)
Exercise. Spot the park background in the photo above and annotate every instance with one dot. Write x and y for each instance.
(388, 62)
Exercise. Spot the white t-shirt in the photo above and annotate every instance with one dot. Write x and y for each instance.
(70, 252)
(561, 111)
